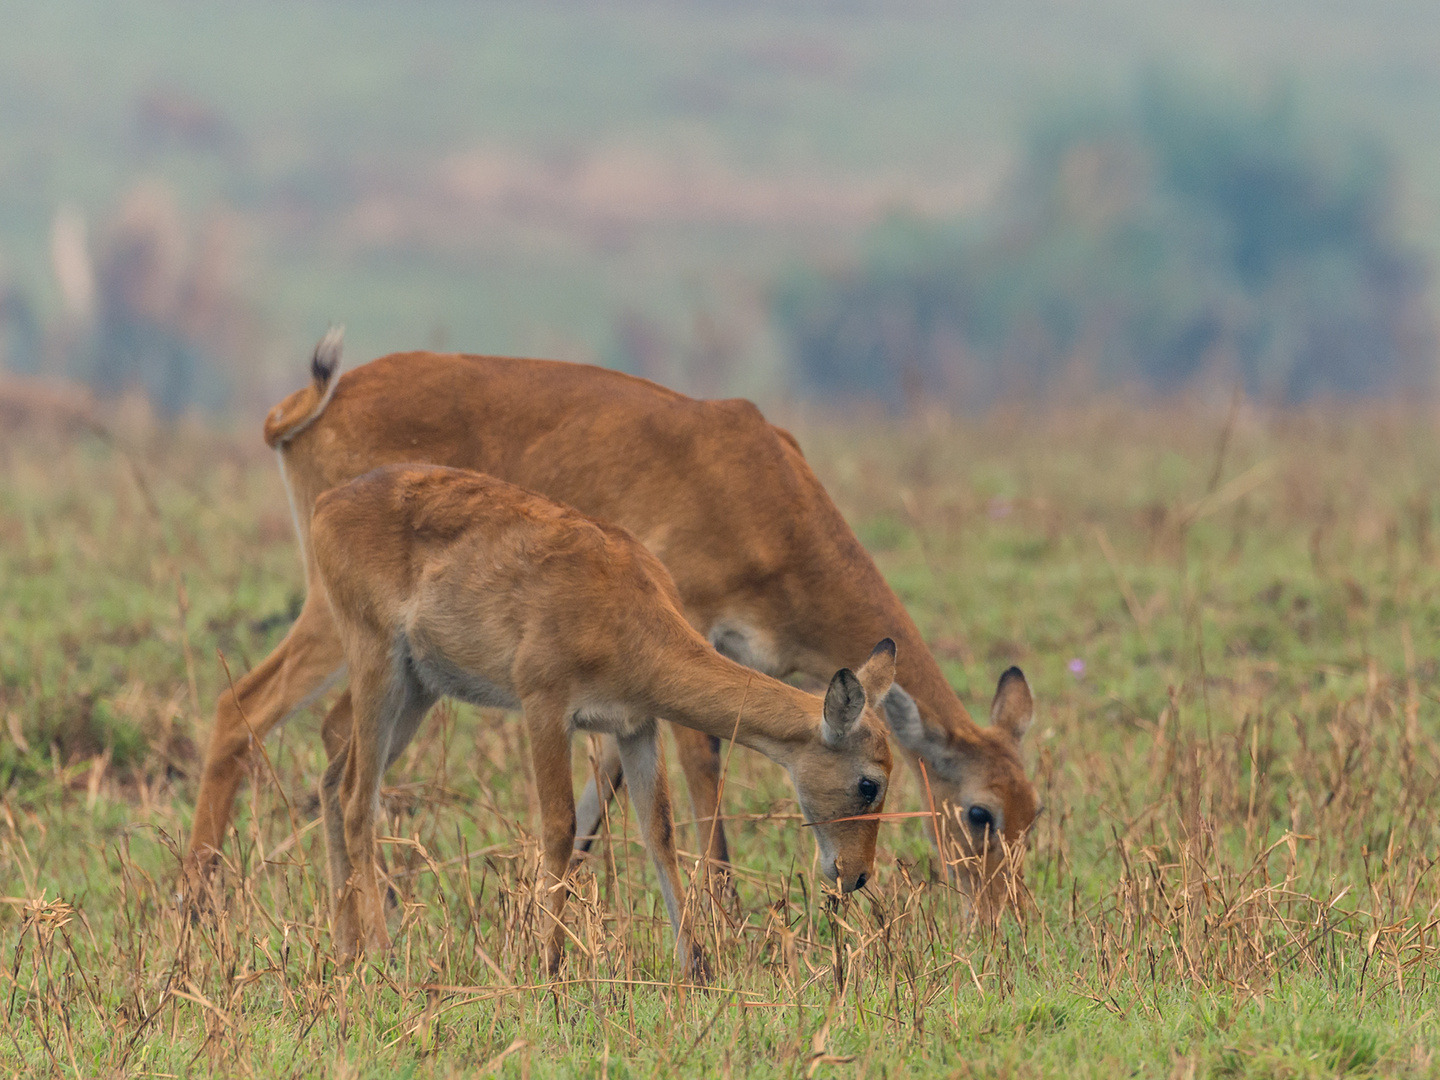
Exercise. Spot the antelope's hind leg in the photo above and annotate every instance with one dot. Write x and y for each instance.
(335, 728)
(335, 734)
(388, 704)
(300, 669)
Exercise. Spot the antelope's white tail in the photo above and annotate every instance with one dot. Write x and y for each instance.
(303, 408)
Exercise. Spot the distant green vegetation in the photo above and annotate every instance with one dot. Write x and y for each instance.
(548, 177)
(1181, 236)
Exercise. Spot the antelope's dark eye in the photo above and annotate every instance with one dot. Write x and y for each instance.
(980, 817)
(869, 790)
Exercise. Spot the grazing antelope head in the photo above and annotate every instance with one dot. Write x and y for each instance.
(845, 772)
(977, 780)
(835, 747)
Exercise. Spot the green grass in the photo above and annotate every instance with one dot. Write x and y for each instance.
(1233, 875)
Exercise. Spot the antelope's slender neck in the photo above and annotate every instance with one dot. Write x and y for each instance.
(700, 689)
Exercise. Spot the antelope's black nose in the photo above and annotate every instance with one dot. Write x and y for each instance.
(860, 881)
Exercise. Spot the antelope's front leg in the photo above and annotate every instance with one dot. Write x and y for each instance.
(600, 790)
(700, 761)
(650, 795)
(550, 759)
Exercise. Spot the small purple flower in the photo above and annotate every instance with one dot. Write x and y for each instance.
(999, 508)
(1077, 668)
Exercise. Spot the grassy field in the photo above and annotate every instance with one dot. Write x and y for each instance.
(1228, 617)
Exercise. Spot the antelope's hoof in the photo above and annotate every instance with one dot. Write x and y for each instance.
(195, 890)
(697, 969)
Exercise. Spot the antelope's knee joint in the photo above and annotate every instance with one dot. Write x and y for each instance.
(333, 775)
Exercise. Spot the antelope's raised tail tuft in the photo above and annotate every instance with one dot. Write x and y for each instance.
(303, 408)
(326, 360)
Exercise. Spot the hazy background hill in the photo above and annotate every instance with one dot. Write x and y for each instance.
(190, 193)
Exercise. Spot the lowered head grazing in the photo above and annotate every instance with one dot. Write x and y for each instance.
(844, 771)
(978, 781)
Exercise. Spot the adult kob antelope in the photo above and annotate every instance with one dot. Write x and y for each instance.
(447, 582)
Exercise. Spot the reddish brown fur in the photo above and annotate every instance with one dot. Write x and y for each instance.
(442, 580)
(724, 499)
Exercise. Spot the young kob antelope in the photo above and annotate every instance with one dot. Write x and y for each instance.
(448, 582)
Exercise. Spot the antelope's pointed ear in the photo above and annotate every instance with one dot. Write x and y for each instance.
(909, 727)
(878, 672)
(1013, 707)
(844, 702)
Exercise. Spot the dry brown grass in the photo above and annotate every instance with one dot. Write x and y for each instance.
(1234, 875)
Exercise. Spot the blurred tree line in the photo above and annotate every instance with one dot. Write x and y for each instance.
(1177, 238)
(149, 304)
